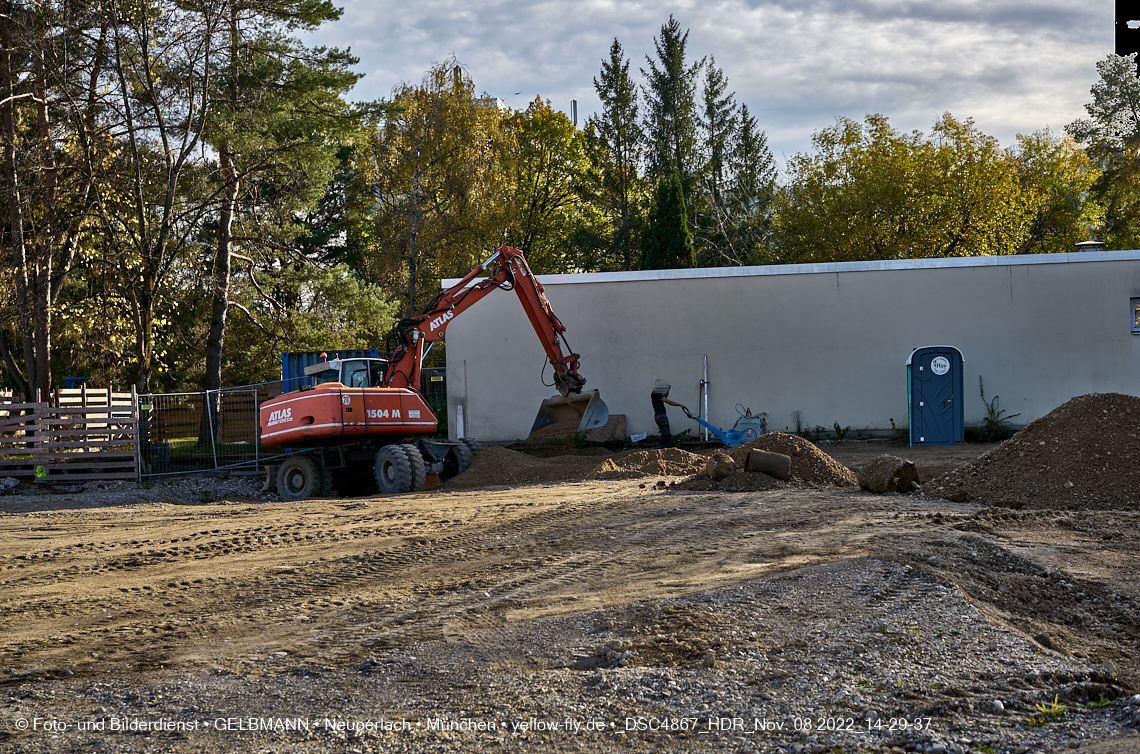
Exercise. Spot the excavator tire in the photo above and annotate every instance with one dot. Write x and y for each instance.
(393, 470)
(463, 456)
(472, 445)
(300, 477)
(419, 471)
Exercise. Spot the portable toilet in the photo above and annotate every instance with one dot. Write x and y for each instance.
(935, 390)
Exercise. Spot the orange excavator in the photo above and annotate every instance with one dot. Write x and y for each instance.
(350, 436)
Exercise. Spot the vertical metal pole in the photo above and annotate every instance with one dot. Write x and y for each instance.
(256, 431)
(210, 416)
(138, 425)
(705, 385)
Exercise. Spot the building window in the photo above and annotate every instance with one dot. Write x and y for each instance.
(1136, 316)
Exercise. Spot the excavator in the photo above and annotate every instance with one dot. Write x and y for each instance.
(350, 435)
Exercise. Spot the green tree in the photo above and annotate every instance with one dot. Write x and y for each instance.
(547, 166)
(156, 94)
(666, 242)
(617, 151)
(671, 120)
(869, 192)
(430, 191)
(52, 60)
(277, 121)
(1057, 179)
(1111, 136)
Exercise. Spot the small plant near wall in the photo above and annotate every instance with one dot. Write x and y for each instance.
(798, 421)
(840, 432)
(996, 427)
(898, 434)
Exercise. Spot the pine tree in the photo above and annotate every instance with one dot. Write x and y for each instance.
(666, 241)
(671, 115)
(621, 134)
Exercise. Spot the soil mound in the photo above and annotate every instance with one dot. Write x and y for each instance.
(496, 465)
(556, 431)
(809, 463)
(740, 481)
(1081, 455)
(634, 464)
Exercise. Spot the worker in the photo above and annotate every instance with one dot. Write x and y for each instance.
(660, 396)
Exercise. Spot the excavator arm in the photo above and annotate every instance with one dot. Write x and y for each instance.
(412, 336)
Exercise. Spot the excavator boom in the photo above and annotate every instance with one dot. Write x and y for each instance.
(513, 273)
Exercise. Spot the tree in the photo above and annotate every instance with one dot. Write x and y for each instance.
(718, 124)
(666, 242)
(1111, 135)
(277, 122)
(430, 194)
(745, 214)
(618, 154)
(51, 63)
(870, 192)
(671, 120)
(156, 96)
(547, 165)
(1057, 178)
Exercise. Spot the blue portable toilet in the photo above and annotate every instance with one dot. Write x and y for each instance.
(935, 390)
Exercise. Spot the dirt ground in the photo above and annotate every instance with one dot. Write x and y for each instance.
(257, 589)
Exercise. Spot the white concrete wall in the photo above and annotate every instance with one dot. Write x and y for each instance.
(829, 340)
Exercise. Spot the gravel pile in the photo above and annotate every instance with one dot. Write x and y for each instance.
(556, 431)
(635, 464)
(1081, 455)
(809, 464)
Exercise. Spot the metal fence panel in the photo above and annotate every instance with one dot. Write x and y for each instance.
(185, 432)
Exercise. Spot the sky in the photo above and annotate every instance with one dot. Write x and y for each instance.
(1014, 67)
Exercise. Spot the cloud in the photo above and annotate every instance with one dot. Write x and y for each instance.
(1012, 66)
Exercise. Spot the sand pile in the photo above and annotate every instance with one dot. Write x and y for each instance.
(496, 465)
(809, 463)
(634, 464)
(1083, 454)
(810, 466)
(556, 431)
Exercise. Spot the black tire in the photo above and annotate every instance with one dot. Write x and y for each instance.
(463, 457)
(472, 445)
(299, 478)
(393, 470)
(419, 469)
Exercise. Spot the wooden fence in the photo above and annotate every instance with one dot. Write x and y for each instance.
(80, 435)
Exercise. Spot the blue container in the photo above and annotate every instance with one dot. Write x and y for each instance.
(935, 390)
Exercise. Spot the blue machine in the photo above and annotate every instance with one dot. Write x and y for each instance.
(746, 429)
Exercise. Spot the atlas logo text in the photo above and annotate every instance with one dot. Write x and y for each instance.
(440, 320)
(280, 416)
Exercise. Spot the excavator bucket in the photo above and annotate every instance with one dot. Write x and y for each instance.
(588, 409)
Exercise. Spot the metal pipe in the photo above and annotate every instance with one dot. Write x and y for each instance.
(705, 391)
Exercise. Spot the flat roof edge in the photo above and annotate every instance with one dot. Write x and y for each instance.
(878, 265)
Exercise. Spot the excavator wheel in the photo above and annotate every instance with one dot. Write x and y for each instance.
(300, 477)
(393, 470)
(472, 445)
(458, 460)
(416, 461)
